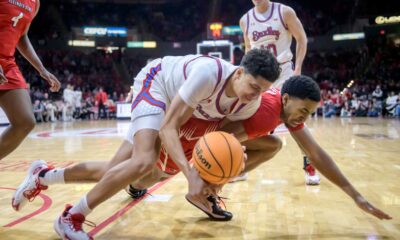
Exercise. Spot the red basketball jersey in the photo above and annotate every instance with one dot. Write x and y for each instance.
(267, 117)
(189, 134)
(15, 17)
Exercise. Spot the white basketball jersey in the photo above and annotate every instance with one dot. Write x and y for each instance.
(201, 82)
(267, 30)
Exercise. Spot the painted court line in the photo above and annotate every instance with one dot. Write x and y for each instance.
(46, 205)
(122, 211)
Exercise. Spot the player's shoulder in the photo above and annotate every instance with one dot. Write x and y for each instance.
(271, 99)
(205, 67)
(285, 9)
(243, 19)
(244, 16)
(210, 63)
(273, 92)
(198, 61)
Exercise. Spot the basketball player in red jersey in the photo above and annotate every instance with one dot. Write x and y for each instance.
(292, 105)
(272, 26)
(299, 97)
(15, 19)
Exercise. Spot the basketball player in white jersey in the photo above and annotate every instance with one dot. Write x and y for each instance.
(271, 25)
(169, 91)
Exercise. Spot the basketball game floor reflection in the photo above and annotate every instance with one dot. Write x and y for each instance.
(273, 204)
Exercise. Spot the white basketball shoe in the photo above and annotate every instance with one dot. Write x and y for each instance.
(30, 187)
(69, 226)
(312, 177)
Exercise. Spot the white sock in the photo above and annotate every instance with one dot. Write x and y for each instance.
(82, 207)
(52, 177)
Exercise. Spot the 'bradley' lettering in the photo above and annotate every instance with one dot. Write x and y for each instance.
(268, 32)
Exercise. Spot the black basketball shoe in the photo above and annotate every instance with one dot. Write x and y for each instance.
(135, 193)
(218, 213)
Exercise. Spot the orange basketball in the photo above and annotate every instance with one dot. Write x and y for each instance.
(218, 156)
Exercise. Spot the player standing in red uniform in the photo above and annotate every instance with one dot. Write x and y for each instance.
(15, 19)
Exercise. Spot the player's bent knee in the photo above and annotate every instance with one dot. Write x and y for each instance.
(25, 125)
(97, 174)
(30, 124)
(267, 143)
(276, 143)
(141, 165)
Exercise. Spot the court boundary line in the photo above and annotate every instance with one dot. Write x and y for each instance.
(47, 202)
(126, 208)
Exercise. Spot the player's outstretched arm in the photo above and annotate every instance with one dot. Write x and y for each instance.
(26, 49)
(296, 29)
(325, 164)
(179, 113)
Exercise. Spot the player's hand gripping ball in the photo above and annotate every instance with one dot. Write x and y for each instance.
(218, 156)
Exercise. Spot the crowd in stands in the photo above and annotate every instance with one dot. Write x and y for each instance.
(374, 90)
(86, 70)
(361, 82)
(374, 70)
(90, 86)
(360, 104)
(75, 104)
(175, 20)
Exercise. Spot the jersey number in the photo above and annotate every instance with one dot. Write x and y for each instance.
(16, 19)
(271, 47)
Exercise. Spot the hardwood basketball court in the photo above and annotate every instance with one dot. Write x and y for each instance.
(273, 204)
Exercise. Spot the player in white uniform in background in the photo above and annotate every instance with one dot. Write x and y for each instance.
(271, 25)
(168, 91)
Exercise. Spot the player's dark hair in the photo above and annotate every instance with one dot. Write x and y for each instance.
(302, 87)
(261, 62)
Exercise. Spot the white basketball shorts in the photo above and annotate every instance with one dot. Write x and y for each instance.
(149, 100)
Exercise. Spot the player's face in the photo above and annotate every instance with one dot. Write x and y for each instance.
(249, 88)
(296, 111)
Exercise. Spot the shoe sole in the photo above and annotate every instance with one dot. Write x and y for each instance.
(19, 191)
(312, 183)
(208, 214)
(58, 231)
(127, 190)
